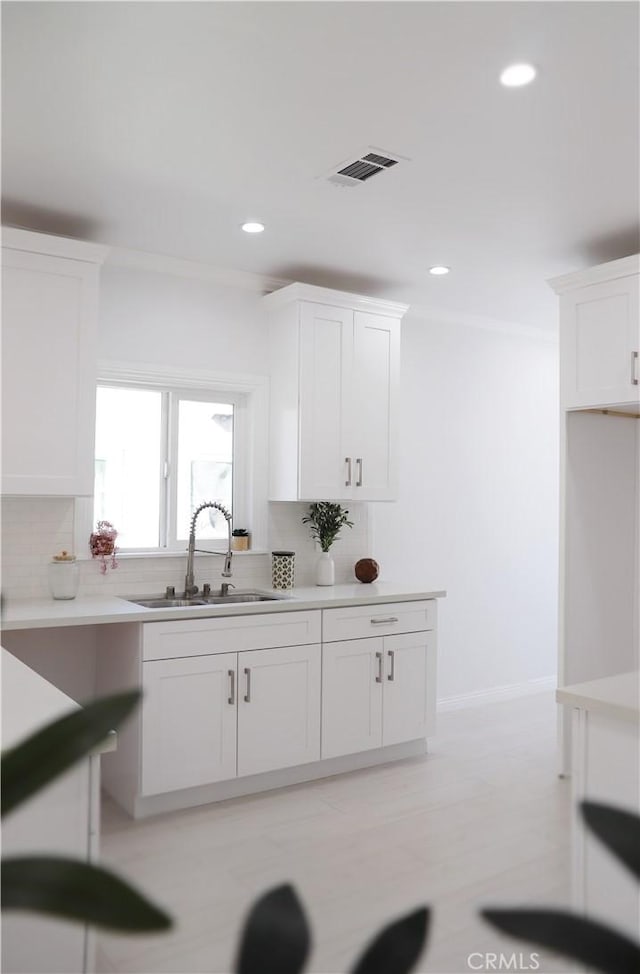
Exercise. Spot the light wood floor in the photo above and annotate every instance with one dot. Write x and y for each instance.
(482, 820)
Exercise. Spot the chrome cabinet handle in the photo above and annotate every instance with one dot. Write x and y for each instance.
(387, 620)
(247, 696)
(359, 466)
(379, 676)
(232, 693)
(392, 670)
(347, 482)
(634, 368)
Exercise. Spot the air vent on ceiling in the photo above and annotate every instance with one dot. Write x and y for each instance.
(363, 167)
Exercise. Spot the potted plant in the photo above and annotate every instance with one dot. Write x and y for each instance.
(240, 539)
(325, 521)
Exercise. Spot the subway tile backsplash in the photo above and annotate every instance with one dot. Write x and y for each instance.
(34, 529)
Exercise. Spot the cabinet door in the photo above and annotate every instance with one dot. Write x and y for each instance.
(376, 377)
(409, 687)
(278, 708)
(48, 374)
(188, 722)
(326, 356)
(55, 821)
(600, 343)
(352, 682)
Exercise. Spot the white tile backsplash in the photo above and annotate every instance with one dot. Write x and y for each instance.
(34, 529)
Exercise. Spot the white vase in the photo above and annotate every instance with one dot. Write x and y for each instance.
(325, 569)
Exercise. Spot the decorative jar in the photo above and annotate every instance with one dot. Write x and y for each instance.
(64, 576)
(282, 565)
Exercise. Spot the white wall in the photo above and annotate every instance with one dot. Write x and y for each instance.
(477, 511)
(478, 503)
(167, 319)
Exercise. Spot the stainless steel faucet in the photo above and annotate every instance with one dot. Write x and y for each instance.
(189, 587)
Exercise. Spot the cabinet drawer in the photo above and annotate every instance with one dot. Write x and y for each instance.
(198, 637)
(385, 619)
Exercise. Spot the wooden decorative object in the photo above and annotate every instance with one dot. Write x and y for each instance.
(367, 570)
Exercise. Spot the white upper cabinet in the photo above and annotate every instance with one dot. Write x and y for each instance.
(600, 335)
(335, 362)
(49, 318)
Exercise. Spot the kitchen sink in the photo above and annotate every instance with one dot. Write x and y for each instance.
(239, 597)
(159, 602)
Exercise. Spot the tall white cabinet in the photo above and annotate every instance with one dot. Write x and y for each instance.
(335, 361)
(49, 320)
(600, 476)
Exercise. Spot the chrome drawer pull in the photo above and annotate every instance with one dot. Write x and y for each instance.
(359, 466)
(232, 695)
(392, 671)
(347, 482)
(379, 676)
(634, 368)
(247, 696)
(384, 622)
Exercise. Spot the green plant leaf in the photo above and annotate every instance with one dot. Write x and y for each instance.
(618, 830)
(587, 941)
(397, 947)
(276, 938)
(75, 890)
(46, 754)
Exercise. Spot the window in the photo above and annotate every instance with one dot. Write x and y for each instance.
(160, 452)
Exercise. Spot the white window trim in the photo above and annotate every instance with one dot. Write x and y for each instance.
(252, 418)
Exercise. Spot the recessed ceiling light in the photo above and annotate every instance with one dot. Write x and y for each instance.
(517, 75)
(253, 227)
(438, 270)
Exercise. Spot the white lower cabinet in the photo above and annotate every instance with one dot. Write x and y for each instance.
(188, 722)
(377, 692)
(210, 718)
(278, 708)
(226, 698)
(409, 698)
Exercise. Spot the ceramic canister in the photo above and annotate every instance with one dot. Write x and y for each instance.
(282, 564)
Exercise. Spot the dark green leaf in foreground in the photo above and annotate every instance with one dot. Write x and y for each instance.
(397, 948)
(74, 890)
(587, 941)
(53, 749)
(618, 830)
(276, 937)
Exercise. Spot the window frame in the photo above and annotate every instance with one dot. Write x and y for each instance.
(249, 395)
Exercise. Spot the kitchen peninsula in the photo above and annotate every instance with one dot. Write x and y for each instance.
(245, 697)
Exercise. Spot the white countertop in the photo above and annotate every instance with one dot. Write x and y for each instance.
(616, 696)
(98, 610)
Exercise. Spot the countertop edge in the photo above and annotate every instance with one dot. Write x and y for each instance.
(612, 696)
(105, 610)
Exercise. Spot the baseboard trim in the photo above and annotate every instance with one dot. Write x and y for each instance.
(254, 784)
(495, 694)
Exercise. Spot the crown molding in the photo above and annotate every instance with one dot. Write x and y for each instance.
(325, 295)
(32, 242)
(485, 323)
(624, 267)
(196, 270)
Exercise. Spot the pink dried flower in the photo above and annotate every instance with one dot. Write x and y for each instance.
(103, 543)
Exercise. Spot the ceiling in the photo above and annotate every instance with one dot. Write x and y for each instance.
(163, 126)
